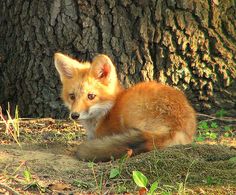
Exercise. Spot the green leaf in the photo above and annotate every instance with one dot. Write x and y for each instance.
(227, 128)
(212, 181)
(221, 113)
(27, 176)
(140, 179)
(114, 173)
(200, 138)
(203, 125)
(213, 136)
(153, 187)
(233, 159)
(214, 125)
(91, 165)
(226, 134)
(209, 180)
(81, 184)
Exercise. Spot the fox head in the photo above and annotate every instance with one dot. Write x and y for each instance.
(88, 89)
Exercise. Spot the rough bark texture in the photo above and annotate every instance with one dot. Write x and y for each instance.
(186, 43)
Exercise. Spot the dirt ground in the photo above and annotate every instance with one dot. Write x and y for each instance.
(44, 163)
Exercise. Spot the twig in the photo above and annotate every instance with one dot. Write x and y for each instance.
(9, 189)
(227, 119)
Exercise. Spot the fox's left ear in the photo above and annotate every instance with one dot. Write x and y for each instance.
(67, 66)
(103, 69)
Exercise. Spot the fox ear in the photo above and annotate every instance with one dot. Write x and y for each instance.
(103, 69)
(64, 65)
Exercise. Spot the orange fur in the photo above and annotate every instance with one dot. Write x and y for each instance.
(146, 116)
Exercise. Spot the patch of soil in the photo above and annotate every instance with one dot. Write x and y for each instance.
(45, 163)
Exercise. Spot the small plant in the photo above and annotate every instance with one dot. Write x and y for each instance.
(81, 184)
(221, 113)
(12, 124)
(203, 125)
(27, 175)
(214, 125)
(181, 189)
(116, 172)
(207, 131)
(211, 135)
(228, 132)
(182, 186)
(233, 160)
(98, 184)
(211, 181)
(29, 182)
(22, 175)
(141, 180)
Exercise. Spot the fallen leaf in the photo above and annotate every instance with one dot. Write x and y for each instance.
(59, 186)
(142, 191)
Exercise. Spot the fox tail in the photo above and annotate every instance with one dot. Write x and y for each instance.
(115, 146)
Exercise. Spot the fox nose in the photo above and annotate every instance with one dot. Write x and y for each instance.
(74, 115)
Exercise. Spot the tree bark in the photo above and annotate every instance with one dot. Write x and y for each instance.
(189, 44)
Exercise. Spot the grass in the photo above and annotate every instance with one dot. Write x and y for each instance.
(152, 188)
(21, 175)
(179, 170)
(12, 124)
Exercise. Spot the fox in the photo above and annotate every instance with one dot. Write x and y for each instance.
(122, 121)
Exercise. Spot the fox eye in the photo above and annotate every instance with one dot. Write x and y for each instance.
(91, 96)
(72, 96)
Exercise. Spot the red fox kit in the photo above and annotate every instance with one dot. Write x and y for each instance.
(146, 116)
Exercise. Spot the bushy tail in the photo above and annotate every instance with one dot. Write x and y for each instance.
(114, 146)
(133, 141)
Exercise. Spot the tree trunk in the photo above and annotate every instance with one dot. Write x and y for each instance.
(189, 44)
